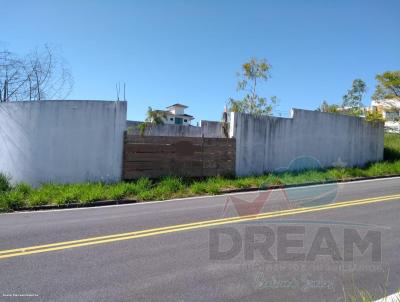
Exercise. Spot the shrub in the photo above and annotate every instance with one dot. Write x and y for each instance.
(5, 184)
(374, 116)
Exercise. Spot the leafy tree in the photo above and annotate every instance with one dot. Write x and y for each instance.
(374, 116)
(388, 86)
(252, 73)
(353, 97)
(153, 117)
(331, 108)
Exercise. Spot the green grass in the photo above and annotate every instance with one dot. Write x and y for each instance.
(22, 195)
(5, 184)
(392, 146)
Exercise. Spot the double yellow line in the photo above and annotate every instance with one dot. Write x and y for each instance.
(184, 227)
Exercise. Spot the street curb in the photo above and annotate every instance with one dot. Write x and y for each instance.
(79, 205)
(251, 189)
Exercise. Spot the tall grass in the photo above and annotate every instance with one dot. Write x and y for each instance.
(392, 147)
(379, 293)
(5, 184)
(22, 195)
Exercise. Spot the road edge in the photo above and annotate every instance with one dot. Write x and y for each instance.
(101, 203)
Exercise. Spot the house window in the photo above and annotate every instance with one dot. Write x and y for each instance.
(171, 118)
(392, 116)
(185, 120)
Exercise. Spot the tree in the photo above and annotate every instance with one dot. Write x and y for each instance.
(331, 108)
(353, 98)
(39, 75)
(388, 86)
(153, 117)
(252, 73)
(12, 76)
(374, 116)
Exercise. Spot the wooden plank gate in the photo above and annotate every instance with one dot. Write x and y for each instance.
(158, 156)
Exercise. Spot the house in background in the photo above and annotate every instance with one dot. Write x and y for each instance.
(390, 110)
(176, 115)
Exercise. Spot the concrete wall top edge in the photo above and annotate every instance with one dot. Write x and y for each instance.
(301, 113)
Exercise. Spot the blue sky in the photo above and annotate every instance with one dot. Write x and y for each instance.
(190, 51)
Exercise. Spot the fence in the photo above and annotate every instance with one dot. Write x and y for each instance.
(62, 141)
(77, 141)
(157, 156)
(207, 129)
(308, 139)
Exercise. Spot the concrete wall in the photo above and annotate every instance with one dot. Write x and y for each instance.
(62, 141)
(309, 139)
(207, 129)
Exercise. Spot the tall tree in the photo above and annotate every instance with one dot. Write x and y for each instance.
(353, 97)
(39, 75)
(251, 75)
(388, 86)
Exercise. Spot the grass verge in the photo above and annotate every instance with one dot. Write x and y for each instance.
(22, 195)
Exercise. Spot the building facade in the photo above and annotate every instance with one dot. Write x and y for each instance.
(390, 110)
(175, 114)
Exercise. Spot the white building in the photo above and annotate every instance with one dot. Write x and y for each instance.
(390, 110)
(175, 114)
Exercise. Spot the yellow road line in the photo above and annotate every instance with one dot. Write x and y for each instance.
(227, 220)
(184, 227)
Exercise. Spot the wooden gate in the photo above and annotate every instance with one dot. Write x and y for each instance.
(158, 156)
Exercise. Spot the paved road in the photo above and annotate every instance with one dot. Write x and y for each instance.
(159, 251)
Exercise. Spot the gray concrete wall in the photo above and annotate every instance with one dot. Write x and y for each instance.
(309, 139)
(207, 129)
(62, 141)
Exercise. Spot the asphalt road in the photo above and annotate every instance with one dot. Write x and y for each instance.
(159, 252)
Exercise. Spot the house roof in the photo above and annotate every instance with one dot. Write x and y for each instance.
(177, 105)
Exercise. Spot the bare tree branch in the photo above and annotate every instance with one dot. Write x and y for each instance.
(39, 75)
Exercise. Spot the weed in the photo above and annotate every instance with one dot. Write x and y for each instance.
(5, 184)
